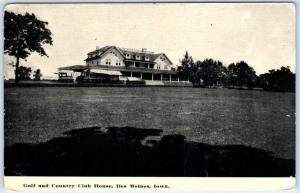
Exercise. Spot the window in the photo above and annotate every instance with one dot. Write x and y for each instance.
(107, 61)
(118, 63)
(112, 52)
(147, 58)
(127, 56)
(137, 57)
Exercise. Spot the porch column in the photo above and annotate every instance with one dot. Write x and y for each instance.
(178, 79)
(141, 75)
(131, 74)
(133, 64)
(170, 78)
(161, 77)
(152, 76)
(147, 65)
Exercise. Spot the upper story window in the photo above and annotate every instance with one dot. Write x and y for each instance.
(118, 63)
(162, 58)
(112, 52)
(137, 57)
(147, 58)
(127, 56)
(108, 61)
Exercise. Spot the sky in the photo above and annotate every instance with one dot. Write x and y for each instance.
(261, 34)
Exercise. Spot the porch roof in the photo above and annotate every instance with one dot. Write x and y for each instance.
(107, 72)
(135, 69)
(80, 68)
(74, 68)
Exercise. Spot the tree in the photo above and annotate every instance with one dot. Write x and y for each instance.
(211, 72)
(241, 74)
(231, 74)
(187, 64)
(24, 73)
(37, 74)
(278, 80)
(24, 34)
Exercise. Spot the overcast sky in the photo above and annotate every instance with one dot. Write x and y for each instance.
(263, 35)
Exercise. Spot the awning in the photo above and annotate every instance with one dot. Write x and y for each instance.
(108, 72)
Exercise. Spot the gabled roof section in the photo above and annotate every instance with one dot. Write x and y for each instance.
(154, 56)
(99, 52)
(158, 55)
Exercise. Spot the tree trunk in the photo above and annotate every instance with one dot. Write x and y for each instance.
(17, 71)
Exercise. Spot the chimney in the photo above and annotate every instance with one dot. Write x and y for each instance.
(144, 49)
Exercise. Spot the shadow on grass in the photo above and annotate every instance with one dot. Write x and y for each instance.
(130, 151)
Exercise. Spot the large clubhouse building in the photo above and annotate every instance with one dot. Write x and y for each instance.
(111, 63)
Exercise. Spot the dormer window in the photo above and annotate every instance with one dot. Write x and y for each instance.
(137, 57)
(147, 58)
(127, 56)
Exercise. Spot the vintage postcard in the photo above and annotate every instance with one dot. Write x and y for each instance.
(149, 97)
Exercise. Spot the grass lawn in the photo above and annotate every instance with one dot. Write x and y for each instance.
(264, 120)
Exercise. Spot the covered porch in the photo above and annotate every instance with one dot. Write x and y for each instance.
(139, 64)
(154, 76)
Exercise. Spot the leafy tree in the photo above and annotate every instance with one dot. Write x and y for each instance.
(278, 80)
(211, 72)
(37, 74)
(241, 74)
(24, 34)
(24, 73)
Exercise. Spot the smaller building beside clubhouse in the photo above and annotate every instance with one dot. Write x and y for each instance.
(113, 64)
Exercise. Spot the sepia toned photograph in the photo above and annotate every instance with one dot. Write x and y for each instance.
(149, 90)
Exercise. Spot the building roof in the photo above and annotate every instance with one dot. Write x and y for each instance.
(105, 71)
(152, 55)
(80, 68)
(74, 67)
(135, 69)
(99, 52)
(133, 52)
